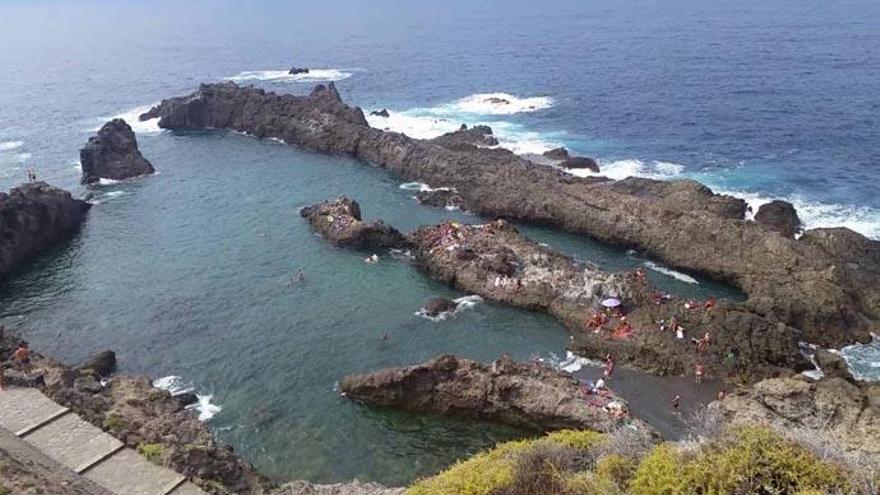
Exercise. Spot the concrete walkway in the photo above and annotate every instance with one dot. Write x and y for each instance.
(84, 449)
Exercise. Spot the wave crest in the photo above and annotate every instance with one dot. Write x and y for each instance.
(314, 75)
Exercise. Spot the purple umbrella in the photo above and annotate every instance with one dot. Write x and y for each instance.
(611, 302)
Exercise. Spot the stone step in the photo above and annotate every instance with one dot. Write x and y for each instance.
(130, 473)
(73, 442)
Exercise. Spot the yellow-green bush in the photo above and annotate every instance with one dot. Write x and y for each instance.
(152, 451)
(659, 473)
(488, 472)
(757, 460)
(616, 469)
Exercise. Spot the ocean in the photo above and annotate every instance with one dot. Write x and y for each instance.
(186, 274)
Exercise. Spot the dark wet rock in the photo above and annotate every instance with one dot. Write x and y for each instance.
(340, 222)
(441, 198)
(438, 305)
(830, 408)
(113, 154)
(33, 218)
(381, 113)
(558, 154)
(779, 216)
(530, 395)
(102, 363)
(832, 364)
(580, 162)
(497, 101)
(680, 223)
(186, 398)
(15, 378)
(464, 138)
(298, 70)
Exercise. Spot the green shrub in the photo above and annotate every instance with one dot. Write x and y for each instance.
(659, 473)
(152, 451)
(113, 421)
(616, 469)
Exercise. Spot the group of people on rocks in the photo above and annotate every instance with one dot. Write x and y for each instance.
(599, 390)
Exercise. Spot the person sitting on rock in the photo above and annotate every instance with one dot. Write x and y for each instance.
(640, 274)
(623, 330)
(710, 303)
(691, 304)
(609, 366)
(597, 321)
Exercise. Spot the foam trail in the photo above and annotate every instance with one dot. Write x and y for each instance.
(808, 351)
(10, 145)
(314, 75)
(176, 386)
(672, 273)
(132, 118)
(421, 187)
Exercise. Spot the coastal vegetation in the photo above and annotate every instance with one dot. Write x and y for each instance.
(717, 461)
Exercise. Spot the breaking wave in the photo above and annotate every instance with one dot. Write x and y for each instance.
(314, 75)
(496, 104)
(571, 363)
(10, 145)
(461, 304)
(863, 360)
(176, 386)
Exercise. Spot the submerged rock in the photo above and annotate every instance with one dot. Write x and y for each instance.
(340, 222)
(113, 154)
(682, 223)
(437, 306)
(529, 395)
(779, 216)
(381, 113)
(298, 70)
(33, 218)
(102, 363)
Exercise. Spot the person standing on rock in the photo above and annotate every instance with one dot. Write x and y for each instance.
(22, 357)
(700, 372)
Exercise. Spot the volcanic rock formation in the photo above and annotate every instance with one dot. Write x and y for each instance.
(529, 395)
(33, 218)
(805, 283)
(340, 222)
(779, 216)
(113, 154)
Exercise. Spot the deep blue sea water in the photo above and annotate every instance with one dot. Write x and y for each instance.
(186, 273)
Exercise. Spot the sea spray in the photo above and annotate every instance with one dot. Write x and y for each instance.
(177, 386)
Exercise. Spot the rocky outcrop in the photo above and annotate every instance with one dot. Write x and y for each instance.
(34, 217)
(103, 363)
(528, 395)
(557, 154)
(466, 138)
(340, 222)
(113, 154)
(298, 70)
(798, 284)
(441, 198)
(381, 113)
(580, 162)
(779, 216)
(438, 305)
(831, 407)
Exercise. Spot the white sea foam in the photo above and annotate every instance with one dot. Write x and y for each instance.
(461, 304)
(621, 169)
(132, 118)
(421, 187)
(863, 360)
(10, 145)
(314, 75)
(808, 351)
(572, 363)
(497, 104)
(106, 182)
(414, 124)
(176, 386)
(672, 273)
(22, 157)
(113, 194)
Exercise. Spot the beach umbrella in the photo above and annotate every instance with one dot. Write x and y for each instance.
(611, 302)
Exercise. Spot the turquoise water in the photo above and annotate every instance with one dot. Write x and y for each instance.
(186, 273)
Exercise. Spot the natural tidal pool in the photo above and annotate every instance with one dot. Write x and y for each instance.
(188, 274)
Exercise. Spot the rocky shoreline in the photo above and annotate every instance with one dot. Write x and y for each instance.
(496, 262)
(825, 284)
(527, 395)
(33, 218)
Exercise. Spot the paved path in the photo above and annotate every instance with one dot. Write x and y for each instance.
(84, 449)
